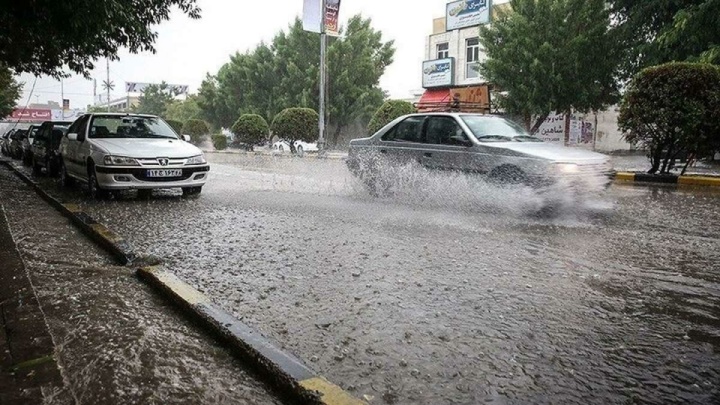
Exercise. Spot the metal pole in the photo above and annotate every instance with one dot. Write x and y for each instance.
(323, 46)
(62, 95)
(108, 84)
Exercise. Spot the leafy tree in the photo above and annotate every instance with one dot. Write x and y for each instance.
(652, 32)
(250, 129)
(296, 124)
(197, 129)
(9, 91)
(44, 36)
(176, 125)
(286, 74)
(389, 111)
(551, 55)
(183, 110)
(220, 141)
(687, 122)
(154, 100)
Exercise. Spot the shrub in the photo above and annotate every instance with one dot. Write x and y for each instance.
(389, 111)
(296, 124)
(673, 110)
(219, 141)
(197, 129)
(250, 129)
(176, 125)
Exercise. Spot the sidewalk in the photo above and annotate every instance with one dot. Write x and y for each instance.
(641, 164)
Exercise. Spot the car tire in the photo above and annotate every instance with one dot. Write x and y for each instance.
(300, 151)
(65, 180)
(37, 170)
(48, 167)
(507, 174)
(96, 192)
(191, 191)
(281, 149)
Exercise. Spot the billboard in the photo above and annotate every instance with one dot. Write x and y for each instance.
(552, 130)
(438, 73)
(175, 89)
(312, 10)
(467, 13)
(31, 114)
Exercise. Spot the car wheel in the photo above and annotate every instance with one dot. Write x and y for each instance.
(96, 192)
(191, 191)
(35, 167)
(48, 167)
(507, 174)
(65, 180)
(281, 149)
(300, 150)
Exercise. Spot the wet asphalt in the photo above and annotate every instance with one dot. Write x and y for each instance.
(450, 290)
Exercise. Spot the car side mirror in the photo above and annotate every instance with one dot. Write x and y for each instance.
(186, 138)
(72, 137)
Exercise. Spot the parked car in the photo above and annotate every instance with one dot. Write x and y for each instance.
(130, 151)
(27, 144)
(5, 141)
(490, 145)
(15, 145)
(300, 147)
(44, 151)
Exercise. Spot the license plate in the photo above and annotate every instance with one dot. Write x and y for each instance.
(165, 173)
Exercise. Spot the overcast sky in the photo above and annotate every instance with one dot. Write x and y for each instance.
(188, 49)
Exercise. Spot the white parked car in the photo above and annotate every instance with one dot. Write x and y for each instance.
(300, 146)
(130, 151)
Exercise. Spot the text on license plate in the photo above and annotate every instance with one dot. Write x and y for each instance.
(165, 173)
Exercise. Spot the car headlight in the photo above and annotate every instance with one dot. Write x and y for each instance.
(112, 160)
(566, 168)
(196, 160)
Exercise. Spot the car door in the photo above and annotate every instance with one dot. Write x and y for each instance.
(403, 143)
(447, 147)
(72, 149)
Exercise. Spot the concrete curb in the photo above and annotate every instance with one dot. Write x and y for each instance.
(284, 371)
(668, 179)
(114, 244)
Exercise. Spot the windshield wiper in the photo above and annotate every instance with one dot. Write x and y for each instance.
(495, 138)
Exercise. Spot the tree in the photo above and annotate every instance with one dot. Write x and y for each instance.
(686, 122)
(551, 55)
(219, 141)
(197, 129)
(9, 91)
(286, 74)
(652, 32)
(389, 111)
(183, 110)
(250, 129)
(44, 36)
(296, 124)
(154, 100)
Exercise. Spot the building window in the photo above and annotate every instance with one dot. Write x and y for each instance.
(443, 50)
(472, 58)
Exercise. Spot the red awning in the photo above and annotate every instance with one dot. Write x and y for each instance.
(434, 99)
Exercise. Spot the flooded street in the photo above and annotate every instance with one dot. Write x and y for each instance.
(448, 291)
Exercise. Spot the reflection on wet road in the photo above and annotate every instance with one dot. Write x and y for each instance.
(448, 291)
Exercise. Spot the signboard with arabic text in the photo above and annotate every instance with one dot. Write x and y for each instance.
(552, 130)
(31, 114)
(467, 13)
(312, 10)
(438, 73)
(174, 89)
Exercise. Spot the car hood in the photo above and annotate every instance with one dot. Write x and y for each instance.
(552, 152)
(148, 148)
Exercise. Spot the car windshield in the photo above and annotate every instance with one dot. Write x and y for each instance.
(129, 126)
(495, 129)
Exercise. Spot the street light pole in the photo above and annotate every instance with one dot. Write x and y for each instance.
(323, 51)
(107, 64)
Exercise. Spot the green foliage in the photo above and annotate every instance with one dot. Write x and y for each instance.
(102, 109)
(219, 141)
(197, 129)
(551, 55)
(389, 111)
(250, 129)
(45, 37)
(9, 91)
(154, 100)
(183, 110)
(673, 109)
(176, 125)
(286, 74)
(296, 124)
(652, 32)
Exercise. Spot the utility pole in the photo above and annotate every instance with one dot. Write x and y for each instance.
(107, 64)
(323, 51)
(62, 94)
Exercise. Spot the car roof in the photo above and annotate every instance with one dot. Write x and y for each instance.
(112, 114)
(454, 114)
